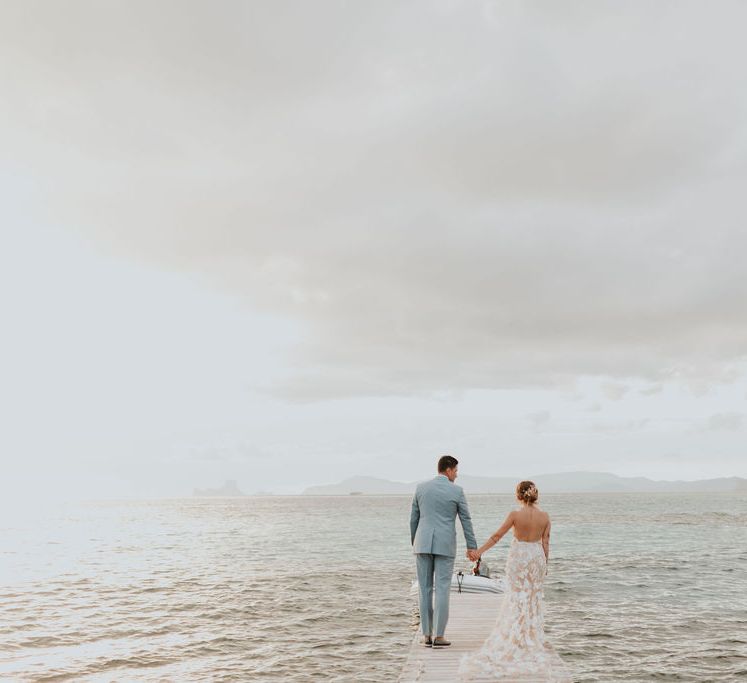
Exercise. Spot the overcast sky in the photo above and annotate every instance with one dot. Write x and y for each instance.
(290, 242)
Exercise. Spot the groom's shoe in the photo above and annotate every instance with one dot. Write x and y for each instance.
(440, 641)
(427, 641)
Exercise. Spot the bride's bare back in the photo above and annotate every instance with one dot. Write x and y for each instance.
(530, 523)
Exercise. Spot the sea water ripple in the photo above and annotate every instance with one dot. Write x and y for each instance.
(641, 587)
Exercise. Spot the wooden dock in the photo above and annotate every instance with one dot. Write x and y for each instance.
(471, 618)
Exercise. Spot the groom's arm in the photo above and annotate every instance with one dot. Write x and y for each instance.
(466, 520)
(414, 518)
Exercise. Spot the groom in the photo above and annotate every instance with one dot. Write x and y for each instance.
(434, 508)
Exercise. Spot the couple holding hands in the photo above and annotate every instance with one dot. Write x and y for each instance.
(516, 647)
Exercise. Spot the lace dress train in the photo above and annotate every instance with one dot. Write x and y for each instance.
(516, 649)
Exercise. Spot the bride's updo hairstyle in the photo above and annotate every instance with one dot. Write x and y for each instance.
(527, 492)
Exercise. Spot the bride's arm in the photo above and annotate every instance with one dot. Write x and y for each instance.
(546, 540)
(498, 535)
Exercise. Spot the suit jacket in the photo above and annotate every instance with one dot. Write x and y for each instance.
(435, 505)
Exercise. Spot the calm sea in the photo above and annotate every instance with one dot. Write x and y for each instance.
(641, 588)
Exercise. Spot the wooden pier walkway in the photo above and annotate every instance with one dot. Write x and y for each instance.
(471, 618)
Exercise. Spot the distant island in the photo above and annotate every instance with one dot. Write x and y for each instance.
(229, 489)
(561, 482)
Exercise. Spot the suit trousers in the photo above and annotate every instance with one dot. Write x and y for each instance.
(434, 576)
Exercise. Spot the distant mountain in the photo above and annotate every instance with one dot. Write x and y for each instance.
(229, 489)
(561, 482)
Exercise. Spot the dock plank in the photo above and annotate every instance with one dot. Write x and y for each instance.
(471, 618)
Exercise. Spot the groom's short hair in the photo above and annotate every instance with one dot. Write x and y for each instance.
(446, 461)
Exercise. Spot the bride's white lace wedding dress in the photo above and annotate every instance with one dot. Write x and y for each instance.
(516, 649)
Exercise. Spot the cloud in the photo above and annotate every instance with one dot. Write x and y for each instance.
(614, 391)
(538, 420)
(725, 421)
(650, 391)
(485, 206)
(621, 427)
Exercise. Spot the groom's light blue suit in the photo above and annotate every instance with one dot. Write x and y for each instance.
(435, 505)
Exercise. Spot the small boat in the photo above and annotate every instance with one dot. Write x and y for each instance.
(469, 582)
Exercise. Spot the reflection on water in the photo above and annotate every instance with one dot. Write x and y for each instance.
(641, 587)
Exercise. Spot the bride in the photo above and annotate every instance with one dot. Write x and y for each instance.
(516, 649)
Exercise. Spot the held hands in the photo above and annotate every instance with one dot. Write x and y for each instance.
(472, 555)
